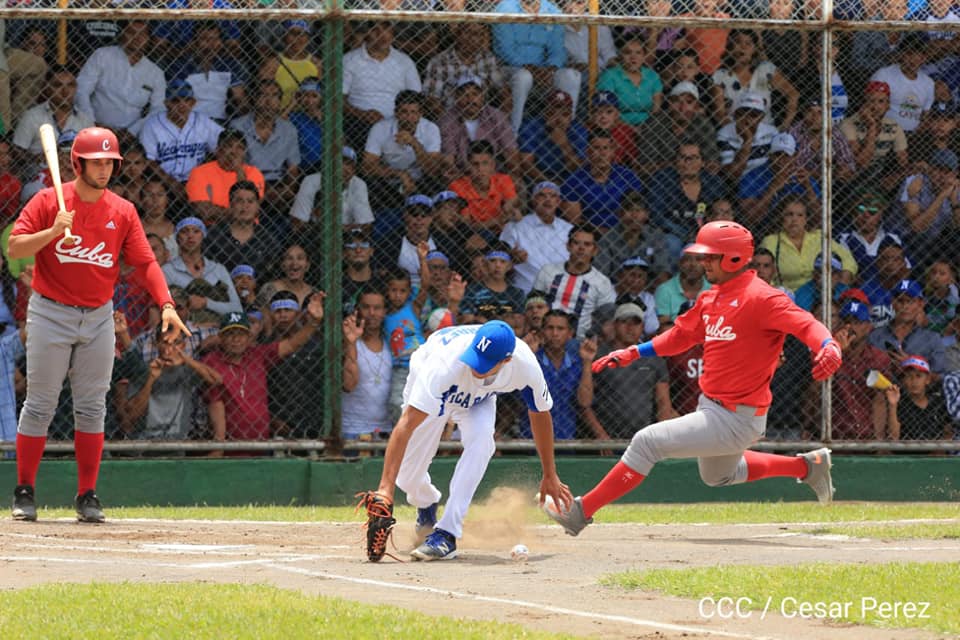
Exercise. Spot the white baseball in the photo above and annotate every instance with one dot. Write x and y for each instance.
(519, 553)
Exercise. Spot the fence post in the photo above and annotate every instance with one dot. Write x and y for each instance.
(331, 243)
(826, 197)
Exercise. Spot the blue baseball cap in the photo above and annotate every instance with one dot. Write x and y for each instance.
(179, 89)
(445, 196)
(605, 99)
(296, 24)
(493, 342)
(191, 222)
(855, 309)
(310, 84)
(545, 185)
(911, 288)
(350, 154)
(419, 199)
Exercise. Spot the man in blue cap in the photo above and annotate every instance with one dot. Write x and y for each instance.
(456, 376)
(904, 336)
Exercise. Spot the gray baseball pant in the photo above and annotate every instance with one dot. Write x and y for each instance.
(714, 435)
(65, 340)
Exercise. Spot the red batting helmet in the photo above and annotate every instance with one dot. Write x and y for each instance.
(731, 241)
(95, 142)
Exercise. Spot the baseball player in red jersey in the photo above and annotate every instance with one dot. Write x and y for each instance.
(70, 315)
(742, 322)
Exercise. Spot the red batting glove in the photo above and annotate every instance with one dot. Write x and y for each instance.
(827, 361)
(614, 359)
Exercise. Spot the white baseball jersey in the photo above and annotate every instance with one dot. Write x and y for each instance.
(442, 385)
(177, 150)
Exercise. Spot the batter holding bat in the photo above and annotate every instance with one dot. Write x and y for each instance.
(742, 322)
(70, 326)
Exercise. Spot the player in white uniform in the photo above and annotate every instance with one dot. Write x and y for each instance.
(455, 376)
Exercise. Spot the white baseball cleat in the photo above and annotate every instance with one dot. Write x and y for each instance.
(572, 520)
(818, 476)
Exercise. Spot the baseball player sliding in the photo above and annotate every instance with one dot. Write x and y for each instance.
(742, 322)
(455, 375)
(70, 314)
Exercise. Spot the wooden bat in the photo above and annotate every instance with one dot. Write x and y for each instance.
(49, 143)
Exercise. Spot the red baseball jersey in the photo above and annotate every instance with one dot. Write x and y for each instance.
(85, 273)
(742, 324)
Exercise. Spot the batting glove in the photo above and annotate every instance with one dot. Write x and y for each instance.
(827, 361)
(614, 359)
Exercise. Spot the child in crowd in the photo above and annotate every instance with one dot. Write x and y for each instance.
(245, 282)
(605, 115)
(402, 324)
(942, 296)
(920, 415)
(492, 298)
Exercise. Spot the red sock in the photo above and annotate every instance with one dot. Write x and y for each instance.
(769, 465)
(88, 448)
(620, 481)
(29, 452)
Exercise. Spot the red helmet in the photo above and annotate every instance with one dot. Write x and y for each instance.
(731, 241)
(95, 142)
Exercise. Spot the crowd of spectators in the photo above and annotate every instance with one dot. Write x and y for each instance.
(484, 178)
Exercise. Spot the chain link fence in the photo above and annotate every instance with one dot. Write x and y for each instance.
(510, 163)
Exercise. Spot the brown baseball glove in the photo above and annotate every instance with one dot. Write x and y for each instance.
(379, 524)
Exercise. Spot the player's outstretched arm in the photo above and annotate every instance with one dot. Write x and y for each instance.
(541, 425)
(623, 357)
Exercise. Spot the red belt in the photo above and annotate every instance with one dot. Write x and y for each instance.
(732, 408)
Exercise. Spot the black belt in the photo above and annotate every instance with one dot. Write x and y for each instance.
(64, 304)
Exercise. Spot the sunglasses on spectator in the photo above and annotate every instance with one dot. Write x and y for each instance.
(864, 209)
(357, 245)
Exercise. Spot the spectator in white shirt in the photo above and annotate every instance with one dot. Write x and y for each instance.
(373, 75)
(538, 238)
(404, 148)
(117, 84)
(356, 204)
(58, 111)
(911, 90)
(179, 139)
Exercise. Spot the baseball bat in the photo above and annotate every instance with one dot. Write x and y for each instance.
(49, 143)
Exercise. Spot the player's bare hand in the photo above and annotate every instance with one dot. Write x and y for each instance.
(62, 222)
(588, 349)
(352, 327)
(561, 494)
(172, 325)
(614, 359)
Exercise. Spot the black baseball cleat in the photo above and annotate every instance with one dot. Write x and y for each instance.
(88, 507)
(24, 506)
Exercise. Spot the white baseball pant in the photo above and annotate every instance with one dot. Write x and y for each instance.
(476, 429)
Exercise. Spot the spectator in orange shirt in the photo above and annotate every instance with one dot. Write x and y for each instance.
(491, 197)
(208, 187)
(708, 43)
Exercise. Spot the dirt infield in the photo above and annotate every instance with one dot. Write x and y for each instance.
(556, 590)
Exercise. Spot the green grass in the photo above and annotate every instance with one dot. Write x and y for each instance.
(715, 513)
(216, 611)
(936, 583)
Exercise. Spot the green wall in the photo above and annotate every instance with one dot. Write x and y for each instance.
(299, 481)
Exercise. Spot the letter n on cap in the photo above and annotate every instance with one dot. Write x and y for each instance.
(482, 344)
